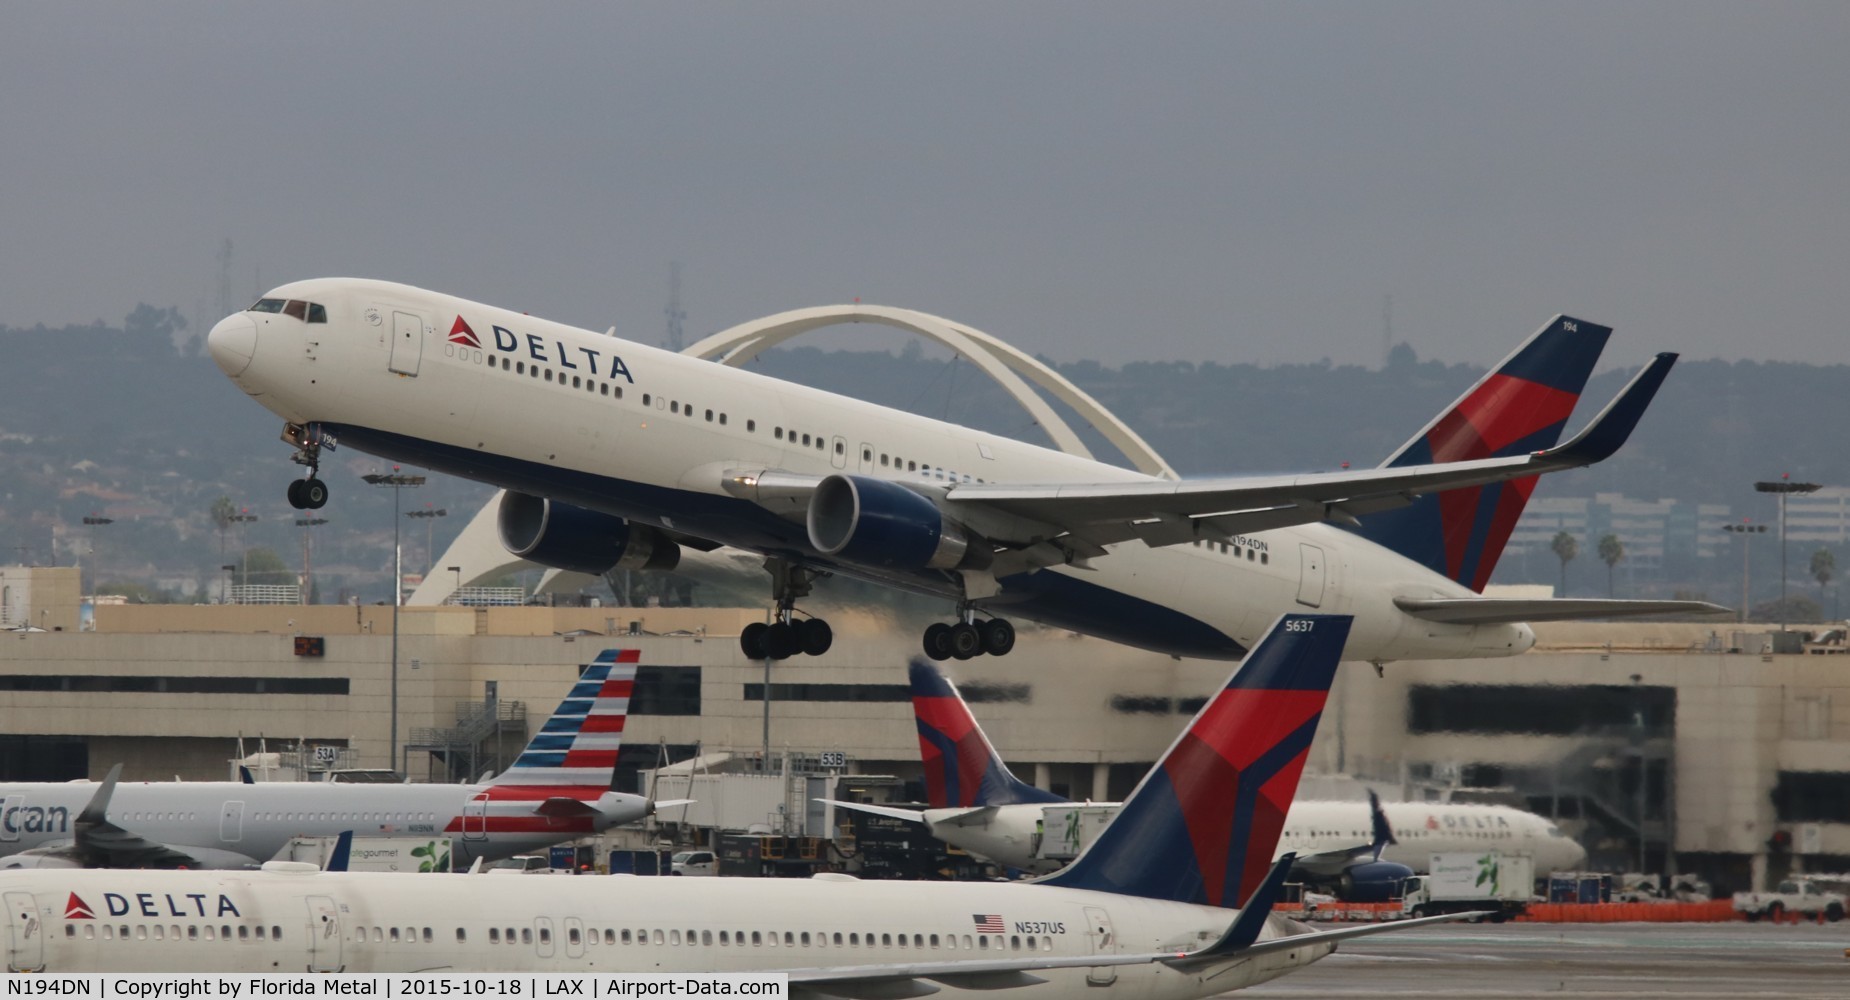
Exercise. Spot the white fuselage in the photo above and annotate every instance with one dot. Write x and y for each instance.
(255, 821)
(649, 435)
(274, 921)
(1013, 835)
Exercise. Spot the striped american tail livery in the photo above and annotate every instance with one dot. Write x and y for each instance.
(962, 769)
(1520, 407)
(568, 765)
(1203, 826)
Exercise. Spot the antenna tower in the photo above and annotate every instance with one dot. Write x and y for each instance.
(676, 338)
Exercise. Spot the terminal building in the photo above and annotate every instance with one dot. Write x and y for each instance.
(1675, 747)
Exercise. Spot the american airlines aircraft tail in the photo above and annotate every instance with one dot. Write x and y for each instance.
(1518, 408)
(961, 767)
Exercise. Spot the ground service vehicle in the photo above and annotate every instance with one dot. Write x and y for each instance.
(1455, 882)
(1794, 895)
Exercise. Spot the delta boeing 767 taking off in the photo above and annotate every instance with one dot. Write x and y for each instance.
(615, 455)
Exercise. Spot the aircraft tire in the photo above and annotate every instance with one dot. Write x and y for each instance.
(938, 641)
(751, 643)
(966, 642)
(295, 495)
(314, 493)
(998, 636)
(780, 641)
(814, 636)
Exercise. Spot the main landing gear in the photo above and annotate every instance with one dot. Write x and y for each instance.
(786, 636)
(309, 492)
(970, 636)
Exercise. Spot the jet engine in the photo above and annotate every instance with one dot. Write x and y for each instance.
(582, 541)
(1371, 881)
(874, 522)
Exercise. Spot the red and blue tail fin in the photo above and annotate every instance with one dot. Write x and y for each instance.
(1203, 826)
(961, 768)
(575, 752)
(1520, 407)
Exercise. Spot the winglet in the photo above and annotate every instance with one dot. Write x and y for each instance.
(97, 811)
(1382, 829)
(343, 853)
(245, 776)
(1251, 921)
(1609, 429)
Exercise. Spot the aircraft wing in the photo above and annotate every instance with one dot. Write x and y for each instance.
(1240, 942)
(910, 815)
(1169, 513)
(99, 843)
(1501, 611)
(1035, 525)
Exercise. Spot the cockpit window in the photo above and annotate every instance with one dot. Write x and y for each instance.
(308, 312)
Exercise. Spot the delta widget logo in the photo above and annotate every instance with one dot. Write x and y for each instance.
(77, 909)
(461, 334)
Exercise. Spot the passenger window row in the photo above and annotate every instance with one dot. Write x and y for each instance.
(1252, 554)
(174, 932)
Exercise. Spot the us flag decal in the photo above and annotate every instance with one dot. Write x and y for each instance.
(987, 923)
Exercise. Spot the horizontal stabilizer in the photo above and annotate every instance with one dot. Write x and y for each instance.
(672, 803)
(560, 807)
(1505, 611)
(910, 815)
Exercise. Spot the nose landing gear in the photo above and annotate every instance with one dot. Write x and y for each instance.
(969, 637)
(309, 492)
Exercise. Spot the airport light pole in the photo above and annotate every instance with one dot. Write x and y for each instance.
(1747, 530)
(397, 481)
(242, 517)
(92, 522)
(1784, 487)
(308, 579)
(429, 515)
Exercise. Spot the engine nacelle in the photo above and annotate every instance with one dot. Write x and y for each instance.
(874, 522)
(1372, 881)
(571, 538)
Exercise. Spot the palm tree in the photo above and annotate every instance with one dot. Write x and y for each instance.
(1565, 549)
(1611, 550)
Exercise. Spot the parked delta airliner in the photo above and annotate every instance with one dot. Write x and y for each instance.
(558, 789)
(1359, 851)
(615, 454)
(1149, 911)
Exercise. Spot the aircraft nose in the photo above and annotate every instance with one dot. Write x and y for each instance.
(233, 342)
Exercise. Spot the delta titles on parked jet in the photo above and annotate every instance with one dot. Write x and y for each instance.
(1172, 901)
(615, 454)
(558, 789)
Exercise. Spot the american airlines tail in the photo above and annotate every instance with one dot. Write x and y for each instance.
(961, 767)
(1203, 825)
(574, 753)
(1519, 407)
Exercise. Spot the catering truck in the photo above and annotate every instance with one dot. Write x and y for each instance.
(1500, 885)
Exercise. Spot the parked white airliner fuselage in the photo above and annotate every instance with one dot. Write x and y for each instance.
(648, 435)
(285, 921)
(243, 825)
(1012, 835)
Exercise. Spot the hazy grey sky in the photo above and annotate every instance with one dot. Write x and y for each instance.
(1240, 182)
